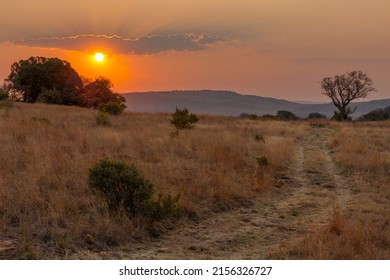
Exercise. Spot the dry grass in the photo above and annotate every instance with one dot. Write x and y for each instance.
(361, 228)
(47, 209)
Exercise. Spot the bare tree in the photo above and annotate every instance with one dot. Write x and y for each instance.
(342, 89)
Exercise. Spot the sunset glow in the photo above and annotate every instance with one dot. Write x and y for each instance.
(99, 57)
(277, 48)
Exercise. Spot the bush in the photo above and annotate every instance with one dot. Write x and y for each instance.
(259, 138)
(376, 115)
(182, 119)
(50, 96)
(286, 116)
(103, 119)
(315, 116)
(164, 206)
(112, 107)
(121, 185)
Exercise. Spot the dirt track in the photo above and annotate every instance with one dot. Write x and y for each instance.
(302, 201)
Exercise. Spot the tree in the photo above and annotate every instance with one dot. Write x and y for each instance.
(28, 78)
(183, 119)
(99, 92)
(342, 89)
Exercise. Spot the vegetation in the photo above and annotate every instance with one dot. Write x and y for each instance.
(112, 107)
(183, 119)
(121, 185)
(3, 94)
(50, 96)
(376, 115)
(103, 118)
(98, 92)
(61, 200)
(343, 89)
(316, 116)
(28, 78)
(286, 116)
(54, 81)
(48, 207)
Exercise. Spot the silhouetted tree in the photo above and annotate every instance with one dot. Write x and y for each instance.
(342, 89)
(28, 78)
(99, 92)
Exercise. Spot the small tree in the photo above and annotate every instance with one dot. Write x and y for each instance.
(342, 89)
(182, 119)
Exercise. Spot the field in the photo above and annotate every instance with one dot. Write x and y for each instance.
(248, 189)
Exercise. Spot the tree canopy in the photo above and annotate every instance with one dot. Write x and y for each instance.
(54, 81)
(99, 92)
(30, 77)
(342, 89)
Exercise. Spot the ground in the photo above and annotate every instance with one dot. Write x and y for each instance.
(303, 199)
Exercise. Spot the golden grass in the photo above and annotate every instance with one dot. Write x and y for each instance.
(47, 208)
(361, 228)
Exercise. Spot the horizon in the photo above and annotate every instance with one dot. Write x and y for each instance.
(274, 49)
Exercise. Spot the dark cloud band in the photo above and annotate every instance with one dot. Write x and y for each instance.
(152, 44)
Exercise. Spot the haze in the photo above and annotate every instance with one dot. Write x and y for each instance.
(275, 48)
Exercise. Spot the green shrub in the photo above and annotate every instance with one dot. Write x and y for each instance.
(164, 206)
(259, 138)
(103, 119)
(121, 185)
(112, 107)
(182, 119)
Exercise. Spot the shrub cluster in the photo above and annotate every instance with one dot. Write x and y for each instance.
(122, 186)
(112, 107)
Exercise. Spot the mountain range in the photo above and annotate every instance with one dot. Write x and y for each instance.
(228, 103)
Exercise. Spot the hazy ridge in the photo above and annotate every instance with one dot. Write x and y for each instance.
(228, 103)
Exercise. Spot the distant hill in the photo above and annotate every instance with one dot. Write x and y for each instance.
(228, 103)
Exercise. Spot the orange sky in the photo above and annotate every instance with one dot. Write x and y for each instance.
(276, 48)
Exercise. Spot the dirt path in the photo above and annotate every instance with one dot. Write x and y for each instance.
(303, 200)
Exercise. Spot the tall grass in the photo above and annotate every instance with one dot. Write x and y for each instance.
(47, 208)
(360, 229)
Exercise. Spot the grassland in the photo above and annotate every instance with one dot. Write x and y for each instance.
(324, 193)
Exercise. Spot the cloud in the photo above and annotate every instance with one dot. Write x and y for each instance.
(151, 44)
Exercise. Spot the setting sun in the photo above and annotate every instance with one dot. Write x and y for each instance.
(99, 57)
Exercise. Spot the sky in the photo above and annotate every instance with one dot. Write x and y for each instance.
(274, 48)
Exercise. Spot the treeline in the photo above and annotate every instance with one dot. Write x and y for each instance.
(374, 115)
(54, 81)
(282, 115)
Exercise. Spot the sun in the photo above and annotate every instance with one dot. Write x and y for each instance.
(99, 57)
